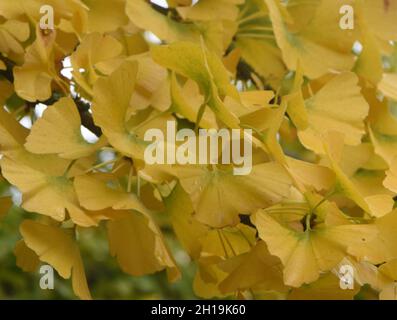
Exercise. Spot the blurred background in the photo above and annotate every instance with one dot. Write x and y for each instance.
(105, 279)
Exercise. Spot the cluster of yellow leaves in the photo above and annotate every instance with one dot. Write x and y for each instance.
(321, 102)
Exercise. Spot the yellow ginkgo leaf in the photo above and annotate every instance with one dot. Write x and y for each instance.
(26, 258)
(310, 85)
(175, 3)
(316, 249)
(205, 68)
(12, 134)
(132, 40)
(339, 107)
(296, 103)
(367, 181)
(390, 181)
(220, 246)
(251, 48)
(52, 245)
(12, 33)
(188, 230)
(112, 97)
(254, 104)
(114, 12)
(145, 17)
(375, 204)
(388, 85)
(256, 99)
(382, 120)
(266, 122)
(369, 63)
(145, 251)
(389, 269)
(371, 182)
(33, 79)
(44, 186)
(385, 280)
(383, 247)
(59, 131)
(87, 60)
(95, 194)
(375, 22)
(364, 273)
(320, 46)
(254, 38)
(210, 10)
(218, 196)
(354, 158)
(384, 145)
(68, 15)
(207, 279)
(380, 17)
(311, 175)
(389, 292)
(152, 86)
(231, 60)
(199, 64)
(382, 284)
(382, 129)
(256, 268)
(187, 100)
(227, 242)
(327, 287)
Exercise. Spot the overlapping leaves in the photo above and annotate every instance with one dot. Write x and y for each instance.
(320, 101)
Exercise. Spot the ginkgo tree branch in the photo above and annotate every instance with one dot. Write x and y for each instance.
(86, 117)
(83, 107)
(8, 73)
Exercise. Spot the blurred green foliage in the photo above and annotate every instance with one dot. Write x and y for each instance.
(105, 279)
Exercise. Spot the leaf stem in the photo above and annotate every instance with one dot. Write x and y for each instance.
(69, 167)
(100, 165)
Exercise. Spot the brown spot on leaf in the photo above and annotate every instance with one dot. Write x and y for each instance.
(386, 5)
